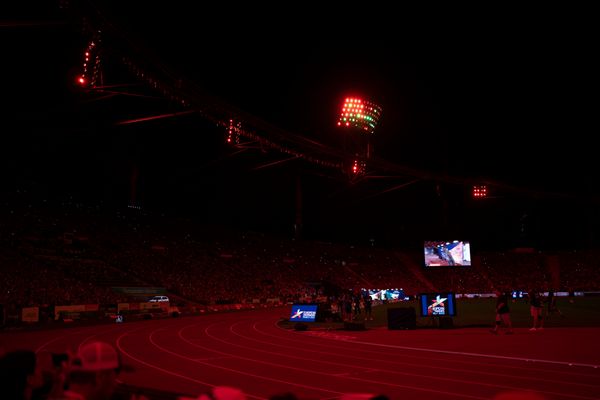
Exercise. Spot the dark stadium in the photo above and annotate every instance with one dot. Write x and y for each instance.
(182, 189)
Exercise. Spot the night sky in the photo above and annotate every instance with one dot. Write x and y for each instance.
(508, 104)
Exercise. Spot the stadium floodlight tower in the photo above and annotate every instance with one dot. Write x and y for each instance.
(359, 117)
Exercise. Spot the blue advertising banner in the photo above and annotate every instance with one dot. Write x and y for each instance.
(438, 304)
(303, 313)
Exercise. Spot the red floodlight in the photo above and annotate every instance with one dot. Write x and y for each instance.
(358, 167)
(90, 67)
(233, 132)
(360, 114)
(480, 191)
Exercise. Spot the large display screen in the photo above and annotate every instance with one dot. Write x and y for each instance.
(303, 313)
(456, 253)
(438, 304)
(384, 294)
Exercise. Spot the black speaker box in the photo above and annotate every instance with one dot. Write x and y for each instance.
(402, 318)
(354, 326)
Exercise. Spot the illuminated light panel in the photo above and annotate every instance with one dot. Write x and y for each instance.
(480, 191)
(360, 114)
(233, 132)
(90, 68)
(358, 167)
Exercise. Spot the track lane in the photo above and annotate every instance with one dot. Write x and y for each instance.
(249, 350)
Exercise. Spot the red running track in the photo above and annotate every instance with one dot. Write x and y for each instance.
(250, 351)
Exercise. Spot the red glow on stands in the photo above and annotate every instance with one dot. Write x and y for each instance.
(81, 81)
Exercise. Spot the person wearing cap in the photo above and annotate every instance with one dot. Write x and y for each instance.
(93, 372)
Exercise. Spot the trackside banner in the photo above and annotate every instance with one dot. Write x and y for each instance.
(303, 313)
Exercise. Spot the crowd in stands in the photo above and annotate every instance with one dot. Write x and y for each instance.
(77, 255)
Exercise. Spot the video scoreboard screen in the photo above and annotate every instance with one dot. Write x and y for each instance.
(454, 253)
